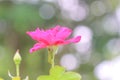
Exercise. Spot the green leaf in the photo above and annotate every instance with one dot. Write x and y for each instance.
(70, 76)
(57, 71)
(44, 78)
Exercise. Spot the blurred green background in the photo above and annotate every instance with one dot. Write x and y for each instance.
(95, 57)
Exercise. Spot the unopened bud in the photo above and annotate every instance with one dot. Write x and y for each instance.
(17, 58)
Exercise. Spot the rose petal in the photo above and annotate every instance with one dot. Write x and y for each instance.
(63, 33)
(37, 46)
(51, 37)
(73, 40)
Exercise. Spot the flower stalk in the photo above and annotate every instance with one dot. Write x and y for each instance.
(51, 55)
(17, 70)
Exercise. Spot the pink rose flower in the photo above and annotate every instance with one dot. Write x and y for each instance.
(52, 37)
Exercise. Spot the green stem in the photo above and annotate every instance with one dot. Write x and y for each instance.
(51, 55)
(17, 70)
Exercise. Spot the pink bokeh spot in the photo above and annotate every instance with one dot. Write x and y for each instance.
(55, 36)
